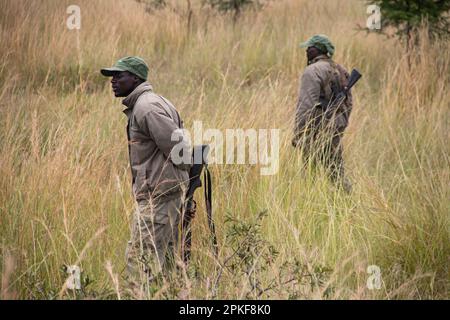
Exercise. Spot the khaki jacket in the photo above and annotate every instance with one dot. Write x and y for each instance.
(320, 78)
(151, 122)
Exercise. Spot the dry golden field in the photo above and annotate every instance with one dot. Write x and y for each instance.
(65, 194)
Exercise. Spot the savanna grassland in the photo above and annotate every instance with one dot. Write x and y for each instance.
(65, 194)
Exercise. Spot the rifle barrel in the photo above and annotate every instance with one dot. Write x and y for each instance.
(354, 77)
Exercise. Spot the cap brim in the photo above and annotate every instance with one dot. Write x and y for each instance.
(305, 44)
(109, 72)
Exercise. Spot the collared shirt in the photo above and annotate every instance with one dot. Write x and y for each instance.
(152, 120)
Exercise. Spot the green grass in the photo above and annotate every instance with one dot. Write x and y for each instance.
(65, 194)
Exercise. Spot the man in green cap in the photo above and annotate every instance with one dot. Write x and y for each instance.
(318, 134)
(158, 183)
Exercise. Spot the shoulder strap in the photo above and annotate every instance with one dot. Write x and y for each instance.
(335, 81)
(208, 204)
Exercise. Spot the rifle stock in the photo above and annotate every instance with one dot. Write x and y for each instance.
(341, 96)
(353, 79)
(189, 209)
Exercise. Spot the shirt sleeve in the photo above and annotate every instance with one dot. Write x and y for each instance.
(160, 127)
(308, 97)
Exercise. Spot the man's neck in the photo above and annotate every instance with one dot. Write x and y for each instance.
(130, 100)
(317, 58)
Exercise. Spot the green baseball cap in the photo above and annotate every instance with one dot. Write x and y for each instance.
(321, 42)
(135, 65)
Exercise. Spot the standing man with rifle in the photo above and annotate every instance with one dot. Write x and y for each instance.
(323, 108)
(159, 185)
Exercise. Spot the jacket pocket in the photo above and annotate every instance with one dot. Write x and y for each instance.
(168, 180)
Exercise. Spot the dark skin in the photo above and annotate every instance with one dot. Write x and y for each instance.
(312, 52)
(124, 82)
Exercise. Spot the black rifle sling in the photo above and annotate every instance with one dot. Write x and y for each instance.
(208, 204)
(186, 239)
(190, 209)
(342, 95)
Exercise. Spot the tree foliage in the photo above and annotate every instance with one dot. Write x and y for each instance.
(407, 16)
(234, 6)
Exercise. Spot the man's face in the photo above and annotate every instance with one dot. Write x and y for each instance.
(312, 52)
(123, 83)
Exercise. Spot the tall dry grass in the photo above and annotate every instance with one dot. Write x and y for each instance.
(65, 193)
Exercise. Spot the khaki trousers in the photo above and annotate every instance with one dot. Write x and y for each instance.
(323, 144)
(154, 237)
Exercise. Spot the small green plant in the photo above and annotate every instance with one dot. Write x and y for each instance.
(252, 256)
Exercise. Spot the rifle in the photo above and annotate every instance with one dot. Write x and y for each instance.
(190, 206)
(342, 95)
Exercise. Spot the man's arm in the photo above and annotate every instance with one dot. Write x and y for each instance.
(308, 97)
(161, 127)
